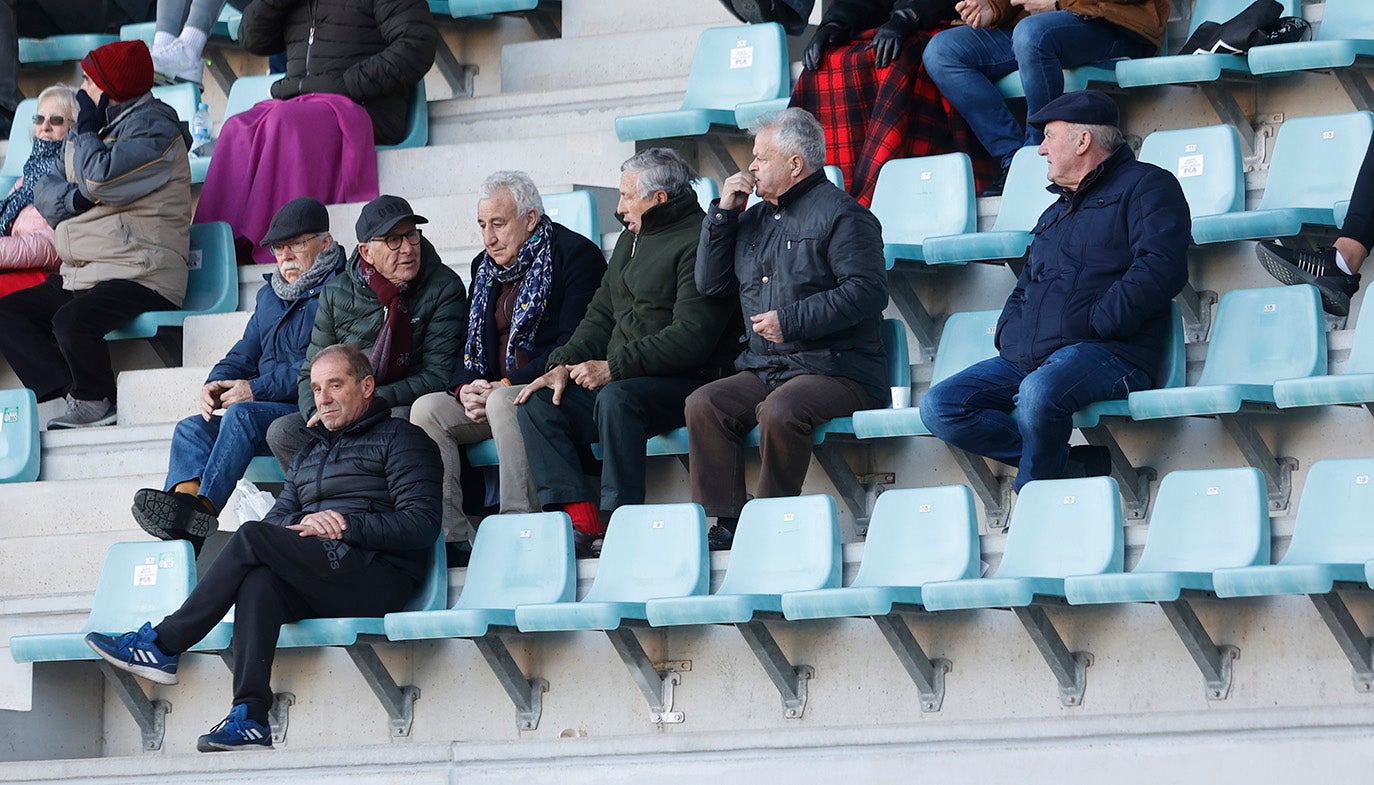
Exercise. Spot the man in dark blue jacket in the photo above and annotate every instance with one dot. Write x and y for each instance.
(1089, 318)
(254, 384)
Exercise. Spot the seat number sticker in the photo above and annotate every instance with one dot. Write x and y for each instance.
(145, 575)
(742, 56)
(1189, 166)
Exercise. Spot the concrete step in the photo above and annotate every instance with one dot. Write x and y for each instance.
(570, 157)
(160, 395)
(584, 18)
(110, 451)
(206, 339)
(563, 63)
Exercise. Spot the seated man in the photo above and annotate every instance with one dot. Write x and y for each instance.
(1089, 318)
(396, 301)
(1049, 36)
(254, 384)
(120, 200)
(649, 339)
(530, 288)
(815, 312)
(351, 535)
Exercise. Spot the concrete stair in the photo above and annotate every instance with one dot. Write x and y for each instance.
(111, 451)
(565, 63)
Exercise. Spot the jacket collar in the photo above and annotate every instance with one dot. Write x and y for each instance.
(798, 189)
(663, 216)
(1119, 156)
(377, 411)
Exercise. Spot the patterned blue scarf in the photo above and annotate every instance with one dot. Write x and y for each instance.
(533, 269)
(41, 161)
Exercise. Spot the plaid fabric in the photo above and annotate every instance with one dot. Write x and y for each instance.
(871, 117)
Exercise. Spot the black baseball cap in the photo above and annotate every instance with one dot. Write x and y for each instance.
(382, 213)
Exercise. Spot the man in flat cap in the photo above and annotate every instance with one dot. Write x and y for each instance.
(1089, 318)
(254, 384)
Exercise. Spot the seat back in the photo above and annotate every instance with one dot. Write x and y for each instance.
(432, 594)
(1345, 19)
(1207, 163)
(212, 282)
(246, 91)
(1333, 525)
(1222, 10)
(576, 210)
(967, 338)
(520, 559)
(736, 64)
(920, 535)
(1173, 366)
(20, 450)
(141, 581)
(1316, 159)
(1206, 520)
(1263, 335)
(1025, 197)
(417, 121)
(835, 176)
(1064, 527)
(184, 98)
(1362, 347)
(785, 544)
(653, 550)
(21, 142)
(898, 353)
(930, 196)
(707, 191)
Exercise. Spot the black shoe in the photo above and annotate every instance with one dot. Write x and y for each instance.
(998, 186)
(168, 515)
(458, 553)
(719, 538)
(1086, 460)
(1299, 265)
(586, 546)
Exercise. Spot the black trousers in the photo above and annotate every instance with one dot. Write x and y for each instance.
(55, 339)
(274, 576)
(1359, 221)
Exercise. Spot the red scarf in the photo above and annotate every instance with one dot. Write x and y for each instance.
(391, 352)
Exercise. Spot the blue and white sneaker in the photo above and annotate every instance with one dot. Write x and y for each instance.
(236, 732)
(137, 653)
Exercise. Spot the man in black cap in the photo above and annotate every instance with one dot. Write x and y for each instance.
(1089, 318)
(397, 302)
(254, 384)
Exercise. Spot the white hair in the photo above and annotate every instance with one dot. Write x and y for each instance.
(796, 132)
(521, 186)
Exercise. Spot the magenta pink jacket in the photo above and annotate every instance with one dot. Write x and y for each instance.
(30, 244)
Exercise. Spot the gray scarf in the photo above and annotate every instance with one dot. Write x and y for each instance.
(324, 264)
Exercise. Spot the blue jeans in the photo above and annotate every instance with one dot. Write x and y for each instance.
(966, 63)
(972, 409)
(217, 452)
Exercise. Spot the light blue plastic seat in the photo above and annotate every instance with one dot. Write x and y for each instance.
(1314, 164)
(226, 26)
(1024, 200)
(140, 582)
(1259, 337)
(707, 191)
(1171, 373)
(731, 66)
(61, 48)
(1203, 521)
(417, 122)
(20, 144)
(247, 91)
(749, 111)
(20, 450)
(1341, 210)
(463, 9)
(1058, 528)
(1194, 68)
(483, 453)
(834, 175)
(185, 98)
(1207, 162)
(918, 198)
(1346, 34)
(916, 536)
(575, 210)
(781, 545)
(1075, 79)
(212, 284)
(264, 469)
(516, 559)
(1333, 537)
(650, 550)
(1354, 386)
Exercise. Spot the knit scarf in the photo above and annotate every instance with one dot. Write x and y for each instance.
(41, 161)
(533, 270)
(391, 353)
(324, 264)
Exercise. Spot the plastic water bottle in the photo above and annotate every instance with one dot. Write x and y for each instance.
(202, 128)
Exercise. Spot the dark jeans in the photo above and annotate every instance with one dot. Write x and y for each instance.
(55, 339)
(720, 414)
(1359, 221)
(274, 576)
(621, 415)
(972, 409)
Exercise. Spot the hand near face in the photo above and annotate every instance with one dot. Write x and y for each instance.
(736, 190)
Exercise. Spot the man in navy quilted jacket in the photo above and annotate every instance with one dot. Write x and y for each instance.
(1089, 318)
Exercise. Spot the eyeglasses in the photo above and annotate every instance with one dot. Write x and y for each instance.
(57, 120)
(296, 246)
(393, 241)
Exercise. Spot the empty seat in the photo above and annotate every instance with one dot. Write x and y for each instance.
(460, 9)
(731, 66)
(212, 284)
(20, 451)
(1194, 68)
(749, 111)
(61, 48)
(576, 210)
(1355, 385)
(1346, 35)
(1024, 200)
(919, 198)
(20, 144)
(1206, 161)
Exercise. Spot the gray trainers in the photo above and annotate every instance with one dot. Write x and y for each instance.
(84, 414)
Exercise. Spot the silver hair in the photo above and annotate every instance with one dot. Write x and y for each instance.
(65, 94)
(521, 187)
(660, 169)
(1105, 137)
(796, 132)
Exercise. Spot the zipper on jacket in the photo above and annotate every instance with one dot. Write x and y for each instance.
(309, 44)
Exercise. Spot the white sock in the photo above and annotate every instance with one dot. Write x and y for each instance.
(161, 39)
(1340, 262)
(193, 40)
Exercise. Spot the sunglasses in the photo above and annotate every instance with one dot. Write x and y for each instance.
(56, 120)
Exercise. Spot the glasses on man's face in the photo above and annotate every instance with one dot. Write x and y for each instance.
(56, 120)
(393, 241)
(295, 246)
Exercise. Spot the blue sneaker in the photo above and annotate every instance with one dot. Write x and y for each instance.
(236, 732)
(137, 653)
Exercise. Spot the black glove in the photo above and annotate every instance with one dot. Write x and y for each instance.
(90, 116)
(80, 203)
(887, 41)
(827, 35)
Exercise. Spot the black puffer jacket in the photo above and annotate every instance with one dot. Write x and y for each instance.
(373, 51)
(382, 474)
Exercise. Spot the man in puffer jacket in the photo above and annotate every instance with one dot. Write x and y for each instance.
(120, 200)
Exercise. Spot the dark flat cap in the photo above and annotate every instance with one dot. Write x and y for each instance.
(1085, 107)
(382, 213)
(295, 218)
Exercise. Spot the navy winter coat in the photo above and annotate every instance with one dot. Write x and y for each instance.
(1106, 261)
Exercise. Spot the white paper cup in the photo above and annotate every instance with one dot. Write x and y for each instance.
(901, 397)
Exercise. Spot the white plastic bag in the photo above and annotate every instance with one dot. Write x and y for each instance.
(254, 503)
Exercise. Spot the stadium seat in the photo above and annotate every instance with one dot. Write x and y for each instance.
(19, 146)
(1097, 75)
(1059, 528)
(417, 122)
(1203, 521)
(576, 210)
(1345, 37)
(918, 198)
(61, 48)
(749, 111)
(708, 191)
(1355, 385)
(140, 581)
(1194, 68)
(1206, 161)
(1314, 164)
(20, 451)
(835, 176)
(1341, 209)
(461, 9)
(731, 66)
(212, 284)
(1025, 198)
(226, 26)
